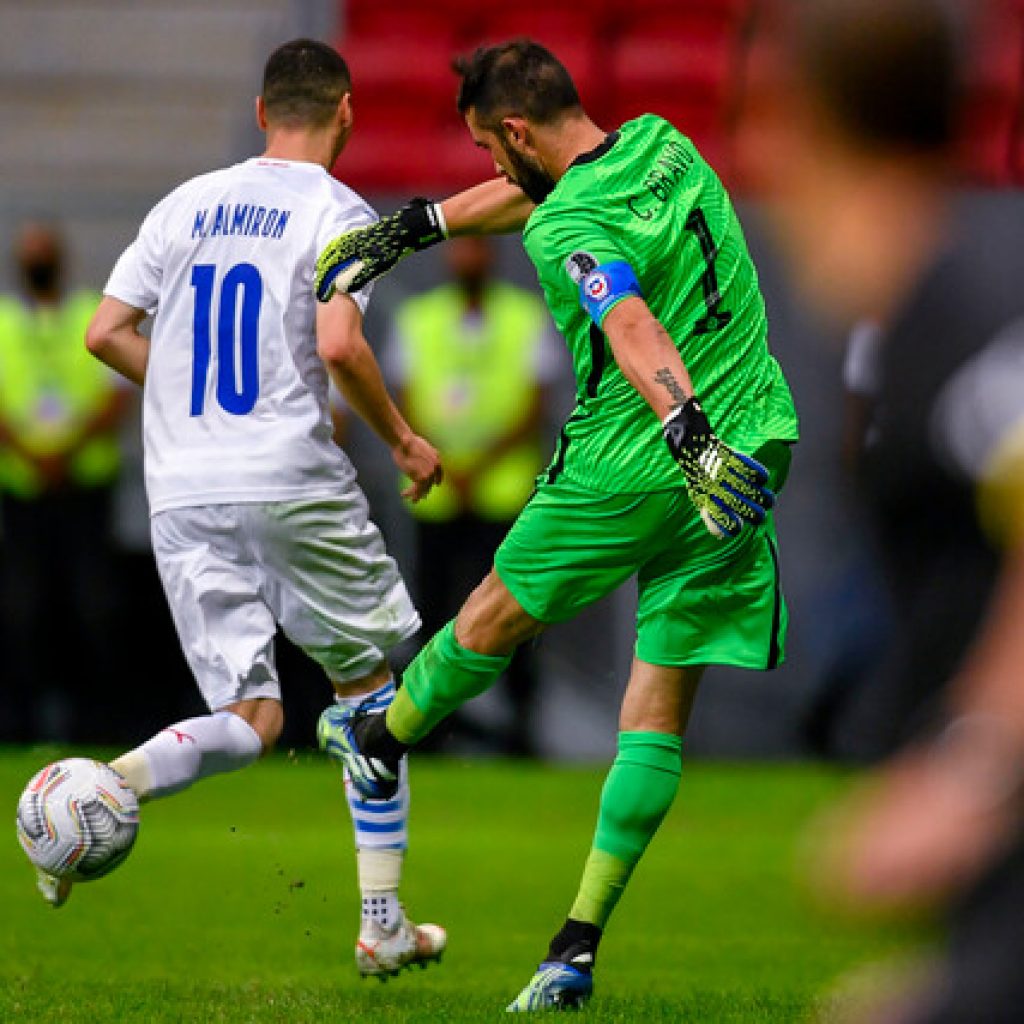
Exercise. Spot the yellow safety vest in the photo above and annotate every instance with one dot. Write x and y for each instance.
(50, 386)
(465, 389)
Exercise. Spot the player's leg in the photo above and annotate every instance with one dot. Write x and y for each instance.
(227, 632)
(338, 595)
(637, 794)
(223, 741)
(227, 636)
(559, 557)
(701, 601)
(388, 940)
(457, 664)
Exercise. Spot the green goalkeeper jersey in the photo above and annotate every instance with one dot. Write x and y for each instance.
(647, 198)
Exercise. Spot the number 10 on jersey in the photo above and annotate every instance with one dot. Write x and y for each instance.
(237, 308)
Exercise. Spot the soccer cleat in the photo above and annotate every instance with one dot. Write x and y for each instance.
(338, 734)
(54, 890)
(383, 953)
(555, 986)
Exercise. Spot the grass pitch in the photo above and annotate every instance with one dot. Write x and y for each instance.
(239, 902)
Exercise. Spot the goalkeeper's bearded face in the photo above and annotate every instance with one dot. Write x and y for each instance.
(512, 156)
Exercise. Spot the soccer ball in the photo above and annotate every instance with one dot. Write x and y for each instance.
(77, 819)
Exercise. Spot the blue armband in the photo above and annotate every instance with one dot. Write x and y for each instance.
(605, 286)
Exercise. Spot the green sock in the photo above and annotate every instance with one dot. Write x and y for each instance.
(637, 794)
(441, 677)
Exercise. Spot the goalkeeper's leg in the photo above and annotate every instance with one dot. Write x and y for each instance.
(457, 664)
(461, 661)
(637, 794)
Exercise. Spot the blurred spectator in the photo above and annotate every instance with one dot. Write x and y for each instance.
(472, 361)
(864, 207)
(59, 460)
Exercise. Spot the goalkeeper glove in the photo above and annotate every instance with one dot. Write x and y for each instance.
(728, 488)
(358, 257)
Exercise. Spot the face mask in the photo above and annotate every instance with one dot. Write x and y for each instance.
(41, 275)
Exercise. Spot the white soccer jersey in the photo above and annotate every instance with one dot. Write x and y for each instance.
(235, 404)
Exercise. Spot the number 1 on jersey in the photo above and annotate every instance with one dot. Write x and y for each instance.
(716, 318)
(238, 378)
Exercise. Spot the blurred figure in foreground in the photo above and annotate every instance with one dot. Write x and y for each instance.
(865, 216)
(60, 412)
(472, 360)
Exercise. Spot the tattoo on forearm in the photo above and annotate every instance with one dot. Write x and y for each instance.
(665, 377)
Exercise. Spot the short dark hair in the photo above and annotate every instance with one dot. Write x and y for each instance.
(887, 71)
(518, 77)
(303, 82)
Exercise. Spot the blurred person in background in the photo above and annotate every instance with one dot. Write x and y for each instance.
(864, 208)
(830, 724)
(60, 412)
(645, 269)
(473, 360)
(257, 520)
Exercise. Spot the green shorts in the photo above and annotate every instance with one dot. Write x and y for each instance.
(702, 601)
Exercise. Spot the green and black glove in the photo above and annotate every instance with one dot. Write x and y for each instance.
(358, 257)
(729, 488)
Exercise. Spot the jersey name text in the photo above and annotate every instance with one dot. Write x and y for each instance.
(241, 219)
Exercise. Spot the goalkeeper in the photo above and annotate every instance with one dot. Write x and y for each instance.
(646, 273)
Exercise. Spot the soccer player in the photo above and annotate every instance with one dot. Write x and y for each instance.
(257, 520)
(647, 275)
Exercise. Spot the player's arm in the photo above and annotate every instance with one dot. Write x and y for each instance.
(939, 813)
(357, 257)
(113, 337)
(354, 370)
(728, 488)
(495, 207)
(647, 356)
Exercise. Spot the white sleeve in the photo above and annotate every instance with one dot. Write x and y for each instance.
(344, 217)
(138, 273)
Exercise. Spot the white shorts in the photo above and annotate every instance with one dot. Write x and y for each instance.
(316, 567)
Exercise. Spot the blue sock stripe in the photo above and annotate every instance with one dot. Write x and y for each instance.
(398, 814)
(376, 827)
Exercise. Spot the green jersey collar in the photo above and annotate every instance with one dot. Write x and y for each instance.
(597, 152)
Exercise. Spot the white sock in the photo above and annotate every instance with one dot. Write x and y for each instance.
(188, 751)
(381, 830)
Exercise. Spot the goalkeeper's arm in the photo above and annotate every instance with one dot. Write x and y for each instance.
(354, 259)
(495, 207)
(728, 488)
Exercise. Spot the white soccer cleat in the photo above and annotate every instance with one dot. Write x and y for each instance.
(54, 890)
(384, 953)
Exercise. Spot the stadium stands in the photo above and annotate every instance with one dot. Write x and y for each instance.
(687, 61)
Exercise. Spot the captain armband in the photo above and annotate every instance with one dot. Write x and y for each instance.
(606, 286)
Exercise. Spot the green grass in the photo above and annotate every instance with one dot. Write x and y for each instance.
(238, 902)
